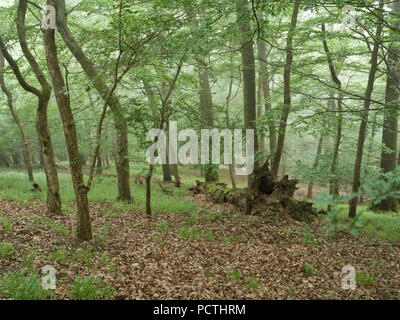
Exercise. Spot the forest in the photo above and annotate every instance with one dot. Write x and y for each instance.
(199, 150)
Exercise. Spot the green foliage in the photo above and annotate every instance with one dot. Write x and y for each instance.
(85, 255)
(334, 223)
(104, 233)
(90, 288)
(365, 279)
(20, 286)
(208, 235)
(6, 249)
(5, 224)
(309, 270)
(252, 283)
(60, 229)
(159, 240)
(59, 255)
(388, 186)
(192, 233)
(232, 239)
(163, 226)
(233, 274)
(15, 186)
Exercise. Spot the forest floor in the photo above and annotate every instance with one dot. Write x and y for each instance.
(210, 253)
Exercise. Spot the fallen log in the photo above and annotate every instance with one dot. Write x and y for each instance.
(266, 192)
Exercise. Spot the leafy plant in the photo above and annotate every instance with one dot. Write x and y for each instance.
(6, 249)
(251, 283)
(159, 240)
(163, 226)
(365, 279)
(309, 270)
(189, 233)
(334, 223)
(233, 274)
(388, 186)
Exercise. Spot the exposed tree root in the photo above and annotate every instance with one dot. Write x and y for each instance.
(266, 192)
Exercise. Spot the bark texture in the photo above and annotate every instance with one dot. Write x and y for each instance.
(84, 230)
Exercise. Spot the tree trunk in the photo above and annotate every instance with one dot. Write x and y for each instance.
(369, 153)
(122, 160)
(27, 147)
(390, 123)
(228, 100)
(266, 91)
(287, 100)
(166, 168)
(333, 183)
(211, 174)
(148, 190)
(99, 168)
(364, 120)
(248, 65)
(315, 166)
(84, 231)
(53, 199)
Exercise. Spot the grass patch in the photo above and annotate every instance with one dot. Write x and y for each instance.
(186, 233)
(252, 283)
(20, 286)
(6, 249)
(90, 288)
(377, 225)
(5, 224)
(365, 279)
(309, 270)
(15, 186)
(233, 274)
(85, 256)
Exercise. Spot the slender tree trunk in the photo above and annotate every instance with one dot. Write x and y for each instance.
(284, 163)
(264, 79)
(148, 190)
(248, 65)
(287, 100)
(390, 123)
(166, 168)
(334, 183)
(99, 168)
(364, 120)
(314, 167)
(122, 161)
(249, 82)
(369, 153)
(27, 147)
(84, 231)
(228, 100)
(53, 199)
(211, 173)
